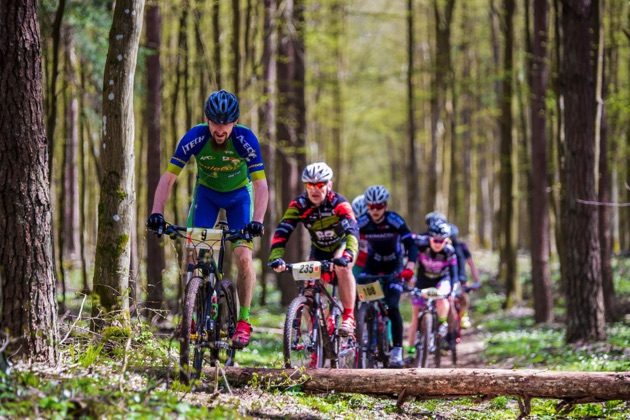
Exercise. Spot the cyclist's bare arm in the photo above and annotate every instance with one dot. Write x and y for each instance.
(163, 191)
(473, 270)
(261, 198)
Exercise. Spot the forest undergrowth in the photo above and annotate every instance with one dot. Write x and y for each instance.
(131, 373)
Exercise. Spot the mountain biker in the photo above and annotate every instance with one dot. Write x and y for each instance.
(330, 221)
(463, 256)
(437, 267)
(384, 231)
(230, 175)
(359, 208)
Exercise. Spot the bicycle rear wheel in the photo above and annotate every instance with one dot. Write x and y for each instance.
(226, 324)
(425, 325)
(302, 344)
(192, 330)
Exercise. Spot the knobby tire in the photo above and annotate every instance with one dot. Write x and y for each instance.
(300, 326)
(193, 305)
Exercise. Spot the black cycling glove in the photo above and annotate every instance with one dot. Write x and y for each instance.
(255, 228)
(156, 221)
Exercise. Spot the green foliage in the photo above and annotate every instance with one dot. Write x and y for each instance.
(544, 346)
(91, 354)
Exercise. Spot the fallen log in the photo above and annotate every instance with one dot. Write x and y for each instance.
(440, 383)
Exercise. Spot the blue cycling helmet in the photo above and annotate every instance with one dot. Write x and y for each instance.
(439, 229)
(222, 107)
(376, 194)
(433, 217)
(359, 206)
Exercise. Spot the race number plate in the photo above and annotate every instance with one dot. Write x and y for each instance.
(369, 292)
(309, 270)
(202, 238)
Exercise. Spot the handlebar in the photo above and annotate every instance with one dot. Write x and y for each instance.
(390, 276)
(428, 293)
(175, 232)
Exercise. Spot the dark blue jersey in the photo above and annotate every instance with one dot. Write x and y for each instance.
(463, 253)
(385, 242)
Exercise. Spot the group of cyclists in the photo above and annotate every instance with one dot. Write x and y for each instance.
(362, 237)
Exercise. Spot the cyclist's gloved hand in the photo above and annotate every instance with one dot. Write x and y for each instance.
(406, 274)
(344, 260)
(278, 262)
(255, 228)
(156, 221)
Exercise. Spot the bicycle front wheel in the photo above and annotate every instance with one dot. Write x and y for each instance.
(226, 324)
(302, 344)
(365, 341)
(192, 330)
(425, 326)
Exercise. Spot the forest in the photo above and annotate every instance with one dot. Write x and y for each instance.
(508, 117)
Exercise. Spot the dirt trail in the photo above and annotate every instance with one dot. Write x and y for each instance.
(468, 350)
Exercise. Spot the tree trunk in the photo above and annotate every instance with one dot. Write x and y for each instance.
(507, 176)
(338, 26)
(71, 167)
(111, 272)
(28, 309)
(581, 260)
(267, 116)
(155, 263)
(51, 98)
(539, 208)
(439, 87)
(236, 46)
(291, 127)
(439, 383)
(216, 38)
(413, 196)
(604, 188)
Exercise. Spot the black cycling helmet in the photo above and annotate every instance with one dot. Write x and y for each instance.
(439, 229)
(222, 107)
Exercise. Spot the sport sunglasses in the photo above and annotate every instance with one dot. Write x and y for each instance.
(318, 185)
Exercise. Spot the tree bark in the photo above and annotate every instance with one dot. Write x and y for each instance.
(581, 260)
(507, 175)
(155, 264)
(28, 309)
(111, 272)
(580, 386)
(539, 208)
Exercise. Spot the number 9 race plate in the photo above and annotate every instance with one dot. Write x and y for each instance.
(310, 270)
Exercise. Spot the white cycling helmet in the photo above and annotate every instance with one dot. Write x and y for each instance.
(317, 172)
(376, 194)
(359, 206)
